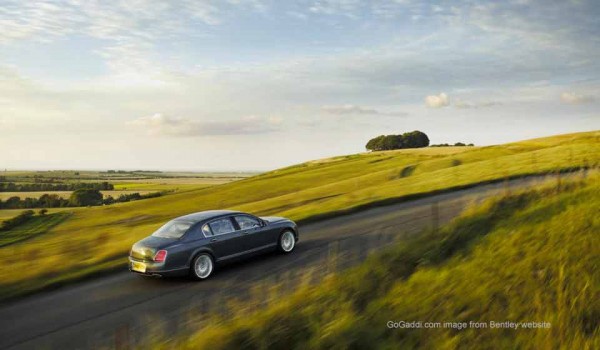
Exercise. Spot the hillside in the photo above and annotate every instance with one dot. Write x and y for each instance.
(529, 258)
(95, 239)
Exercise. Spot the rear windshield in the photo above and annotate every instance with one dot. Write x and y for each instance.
(173, 229)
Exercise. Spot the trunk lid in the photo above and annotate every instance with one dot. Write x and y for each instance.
(147, 247)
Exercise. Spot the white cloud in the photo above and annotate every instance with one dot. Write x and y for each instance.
(111, 20)
(161, 125)
(335, 7)
(437, 101)
(357, 110)
(467, 104)
(348, 109)
(575, 98)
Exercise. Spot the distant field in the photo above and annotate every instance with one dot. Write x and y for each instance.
(177, 184)
(125, 183)
(304, 191)
(63, 194)
(84, 175)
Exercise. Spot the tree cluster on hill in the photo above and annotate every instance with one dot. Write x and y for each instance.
(44, 201)
(458, 144)
(33, 187)
(79, 198)
(127, 197)
(413, 139)
(84, 197)
(17, 220)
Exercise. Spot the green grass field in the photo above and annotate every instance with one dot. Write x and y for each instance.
(176, 184)
(526, 257)
(97, 238)
(10, 213)
(35, 226)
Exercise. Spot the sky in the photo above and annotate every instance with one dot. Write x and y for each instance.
(257, 84)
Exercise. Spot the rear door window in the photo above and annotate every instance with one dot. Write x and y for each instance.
(221, 226)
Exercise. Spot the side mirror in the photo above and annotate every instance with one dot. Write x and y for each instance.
(263, 223)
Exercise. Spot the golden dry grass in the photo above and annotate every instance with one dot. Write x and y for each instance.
(526, 257)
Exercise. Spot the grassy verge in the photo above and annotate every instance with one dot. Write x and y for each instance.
(303, 192)
(526, 257)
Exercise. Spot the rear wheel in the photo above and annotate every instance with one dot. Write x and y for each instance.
(202, 266)
(287, 241)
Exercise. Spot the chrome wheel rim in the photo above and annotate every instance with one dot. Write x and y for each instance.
(203, 266)
(287, 241)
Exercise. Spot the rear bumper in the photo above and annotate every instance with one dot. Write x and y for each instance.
(157, 269)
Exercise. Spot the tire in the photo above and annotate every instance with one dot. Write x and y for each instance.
(287, 242)
(202, 267)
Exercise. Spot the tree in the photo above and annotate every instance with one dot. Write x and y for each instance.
(375, 144)
(413, 139)
(389, 142)
(84, 197)
(12, 203)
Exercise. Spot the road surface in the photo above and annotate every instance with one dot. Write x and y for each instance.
(121, 308)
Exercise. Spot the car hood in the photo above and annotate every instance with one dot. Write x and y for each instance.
(147, 247)
(273, 218)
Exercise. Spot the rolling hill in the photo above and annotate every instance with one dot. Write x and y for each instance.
(98, 238)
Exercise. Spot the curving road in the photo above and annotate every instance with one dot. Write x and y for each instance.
(120, 309)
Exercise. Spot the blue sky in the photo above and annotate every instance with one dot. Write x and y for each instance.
(236, 85)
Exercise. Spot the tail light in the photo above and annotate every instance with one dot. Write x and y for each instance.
(160, 256)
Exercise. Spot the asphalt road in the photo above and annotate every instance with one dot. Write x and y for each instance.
(122, 308)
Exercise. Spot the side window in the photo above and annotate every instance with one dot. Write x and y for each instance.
(206, 230)
(246, 222)
(221, 226)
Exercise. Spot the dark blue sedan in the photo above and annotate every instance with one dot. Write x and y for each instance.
(194, 243)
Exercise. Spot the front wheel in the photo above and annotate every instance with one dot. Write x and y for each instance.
(287, 242)
(202, 267)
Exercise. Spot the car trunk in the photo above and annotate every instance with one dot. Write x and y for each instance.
(146, 248)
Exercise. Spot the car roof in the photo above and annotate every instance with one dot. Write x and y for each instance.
(207, 214)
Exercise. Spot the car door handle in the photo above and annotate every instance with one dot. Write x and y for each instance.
(213, 240)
